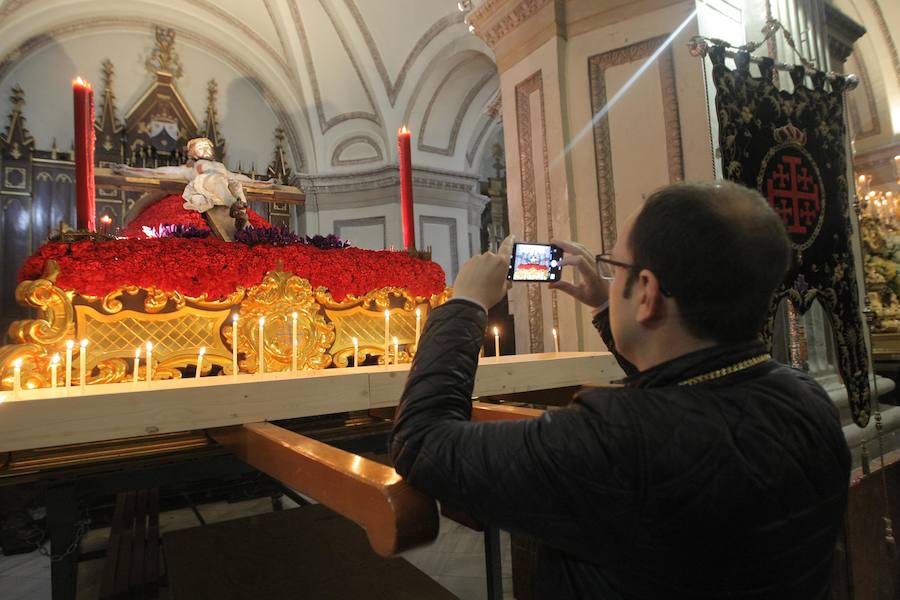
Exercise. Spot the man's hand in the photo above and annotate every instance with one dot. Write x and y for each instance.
(483, 278)
(592, 289)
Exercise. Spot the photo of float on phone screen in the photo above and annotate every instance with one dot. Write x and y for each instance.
(535, 262)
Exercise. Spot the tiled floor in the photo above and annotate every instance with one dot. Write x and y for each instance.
(455, 559)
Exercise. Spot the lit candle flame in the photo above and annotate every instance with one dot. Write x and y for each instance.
(496, 331)
(403, 130)
(55, 360)
(17, 363)
(84, 344)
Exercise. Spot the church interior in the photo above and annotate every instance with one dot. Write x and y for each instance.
(223, 226)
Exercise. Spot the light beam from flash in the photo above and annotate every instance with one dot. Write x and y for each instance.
(618, 95)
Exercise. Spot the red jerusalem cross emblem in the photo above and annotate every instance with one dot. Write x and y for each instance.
(790, 181)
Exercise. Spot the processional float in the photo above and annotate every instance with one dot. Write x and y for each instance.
(141, 348)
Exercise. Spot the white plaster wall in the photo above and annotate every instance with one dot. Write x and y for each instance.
(637, 131)
(547, 60)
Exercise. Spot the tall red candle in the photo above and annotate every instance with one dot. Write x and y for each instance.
(406, 188)
(84, 154)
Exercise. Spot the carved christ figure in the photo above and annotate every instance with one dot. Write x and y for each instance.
(209, 182)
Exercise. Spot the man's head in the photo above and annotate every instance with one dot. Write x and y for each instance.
(707, 257)
(201, 148)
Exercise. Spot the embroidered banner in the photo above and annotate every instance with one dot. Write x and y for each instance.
(790, 147)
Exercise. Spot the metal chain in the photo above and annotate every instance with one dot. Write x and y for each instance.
(769, 30)
(37, 537)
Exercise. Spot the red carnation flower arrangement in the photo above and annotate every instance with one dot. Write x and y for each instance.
(194, 266)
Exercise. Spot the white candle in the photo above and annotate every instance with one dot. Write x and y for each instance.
(387, 336)
(54, 363)
(199, 362)
(69, 345)
(262, 347)
(149, 362)
(82, 361)
(555, 340)
(496, 342)
(396, 351)
(355, 352)
(137, 365)
(17, 377)
(234, 345)
(294, 342)
(418, 326)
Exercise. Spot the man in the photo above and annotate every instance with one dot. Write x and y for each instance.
(715, 472)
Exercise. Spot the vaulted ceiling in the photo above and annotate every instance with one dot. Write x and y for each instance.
(340, 76)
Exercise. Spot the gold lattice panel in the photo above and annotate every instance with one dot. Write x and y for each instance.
(173, 334)
(367, 326)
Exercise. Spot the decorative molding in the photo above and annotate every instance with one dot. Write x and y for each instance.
(393, 89)
(284, 46)
(671, 117)
(597, 66)
(16, 143)
(450, 223)
(842, 32)
(362, 222)
(869, 94)
(386, 177)
(527, 166)
(226, 16)
(39, 41)
(476, 143)
(343, 37)
(211, 125)
(888, 38)
(509, 22)
(337, 161)
(460, 114)
(324, 123)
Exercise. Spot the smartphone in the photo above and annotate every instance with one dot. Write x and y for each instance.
(535, 262)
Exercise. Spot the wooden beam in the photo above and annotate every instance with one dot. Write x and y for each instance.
(44, 417)
(482, 411)
(395, 516)
(105, 178)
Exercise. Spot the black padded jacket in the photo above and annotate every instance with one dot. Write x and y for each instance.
(731, 488)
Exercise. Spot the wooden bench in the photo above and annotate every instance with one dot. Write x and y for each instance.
(131, 569)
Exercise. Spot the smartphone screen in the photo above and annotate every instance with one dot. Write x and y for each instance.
(535, 262)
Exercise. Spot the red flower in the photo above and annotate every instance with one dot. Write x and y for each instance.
(195, 266)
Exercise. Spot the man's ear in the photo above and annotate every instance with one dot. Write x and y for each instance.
(650, 298)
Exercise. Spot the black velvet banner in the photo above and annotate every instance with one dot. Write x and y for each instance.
(790, 146)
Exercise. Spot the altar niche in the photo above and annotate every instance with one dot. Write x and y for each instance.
(37, 186)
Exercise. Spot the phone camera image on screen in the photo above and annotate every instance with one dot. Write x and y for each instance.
(535, 262)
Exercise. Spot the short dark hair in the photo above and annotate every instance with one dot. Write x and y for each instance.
(719, 249)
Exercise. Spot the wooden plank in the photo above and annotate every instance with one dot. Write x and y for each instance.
(512, 374)
(395, 516)
(138, 544)
(44, 418)
(123, 565)
(151, 560)
(108, 581)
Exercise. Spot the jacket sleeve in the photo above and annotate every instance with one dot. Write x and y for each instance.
(541, 476)
(601, 324)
